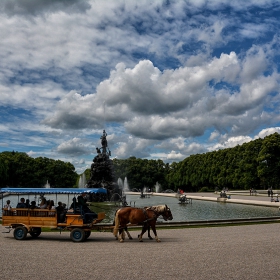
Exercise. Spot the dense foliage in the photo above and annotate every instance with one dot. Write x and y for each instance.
(19, 170)
(252, 165)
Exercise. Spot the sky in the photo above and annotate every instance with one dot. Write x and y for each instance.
(165, 79)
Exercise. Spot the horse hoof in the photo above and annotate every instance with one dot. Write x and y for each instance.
(121, 240)
(130, 238)
(158, 240)
(141, 240)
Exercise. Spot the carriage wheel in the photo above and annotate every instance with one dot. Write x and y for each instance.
(87, 234)
(35, 232)
(20, 233)
(77, 235)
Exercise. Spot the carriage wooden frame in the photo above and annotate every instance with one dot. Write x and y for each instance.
(31, 221)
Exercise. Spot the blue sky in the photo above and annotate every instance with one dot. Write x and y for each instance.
(166, 79)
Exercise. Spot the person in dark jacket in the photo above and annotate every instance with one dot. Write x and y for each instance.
(21, 204)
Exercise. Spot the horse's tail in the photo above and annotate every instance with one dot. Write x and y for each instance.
(117, 223)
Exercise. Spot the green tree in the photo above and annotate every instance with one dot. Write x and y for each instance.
(3, 171)
(24, 171)
(269, 161)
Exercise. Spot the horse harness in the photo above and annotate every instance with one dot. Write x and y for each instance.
(156, 215)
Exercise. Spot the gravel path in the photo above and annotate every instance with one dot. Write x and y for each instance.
(233, 252)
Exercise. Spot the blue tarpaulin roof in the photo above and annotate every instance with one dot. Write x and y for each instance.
(52, 190)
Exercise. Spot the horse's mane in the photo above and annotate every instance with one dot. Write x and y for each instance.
(158, 208)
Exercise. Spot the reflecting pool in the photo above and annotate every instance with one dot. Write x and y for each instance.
(200, 210)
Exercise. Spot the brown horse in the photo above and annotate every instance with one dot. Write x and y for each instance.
(127, 232)
(140, 216)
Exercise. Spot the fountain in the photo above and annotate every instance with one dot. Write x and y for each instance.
(126, 186)
(102, 172)
(82, 181)
(158, 187)
(47, 185)
(120, 183)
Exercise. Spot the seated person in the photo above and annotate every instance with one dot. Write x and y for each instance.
(9, 208)
(8, 205)
(33, 205)
(82, 202)
(60, 212)
(27, 203)
(74, 207)
(43, 204)
(89, 215)
(51, 205)
(21, 204)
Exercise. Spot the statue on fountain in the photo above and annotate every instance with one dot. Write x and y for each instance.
(102, 171)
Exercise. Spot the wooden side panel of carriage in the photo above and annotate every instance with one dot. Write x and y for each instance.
(30, 218)
(42, 218)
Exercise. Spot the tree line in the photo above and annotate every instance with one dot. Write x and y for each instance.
(17, 169)
(255, 164)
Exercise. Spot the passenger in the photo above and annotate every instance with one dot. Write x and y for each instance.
(60, 212)
(51, 205)
(8, 205)
(21, 204)
(83, 203)
(27, 202)
(60, 208)
(89, 215)
(43, 204)
(74, 205)
(33, 205)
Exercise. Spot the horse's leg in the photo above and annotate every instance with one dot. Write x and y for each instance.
(155, 232)
(128, 234)
(144, 228)
(149, 233)
(115, 232)
(116, 225)
(121, 235)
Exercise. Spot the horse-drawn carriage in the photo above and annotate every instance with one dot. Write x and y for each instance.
(80, 224)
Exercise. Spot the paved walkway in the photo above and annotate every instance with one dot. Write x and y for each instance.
(236, 197)
(233, 252)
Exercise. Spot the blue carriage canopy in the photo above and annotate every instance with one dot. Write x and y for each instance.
(53, 190)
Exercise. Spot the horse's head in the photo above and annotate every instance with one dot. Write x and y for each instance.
(164, 211)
